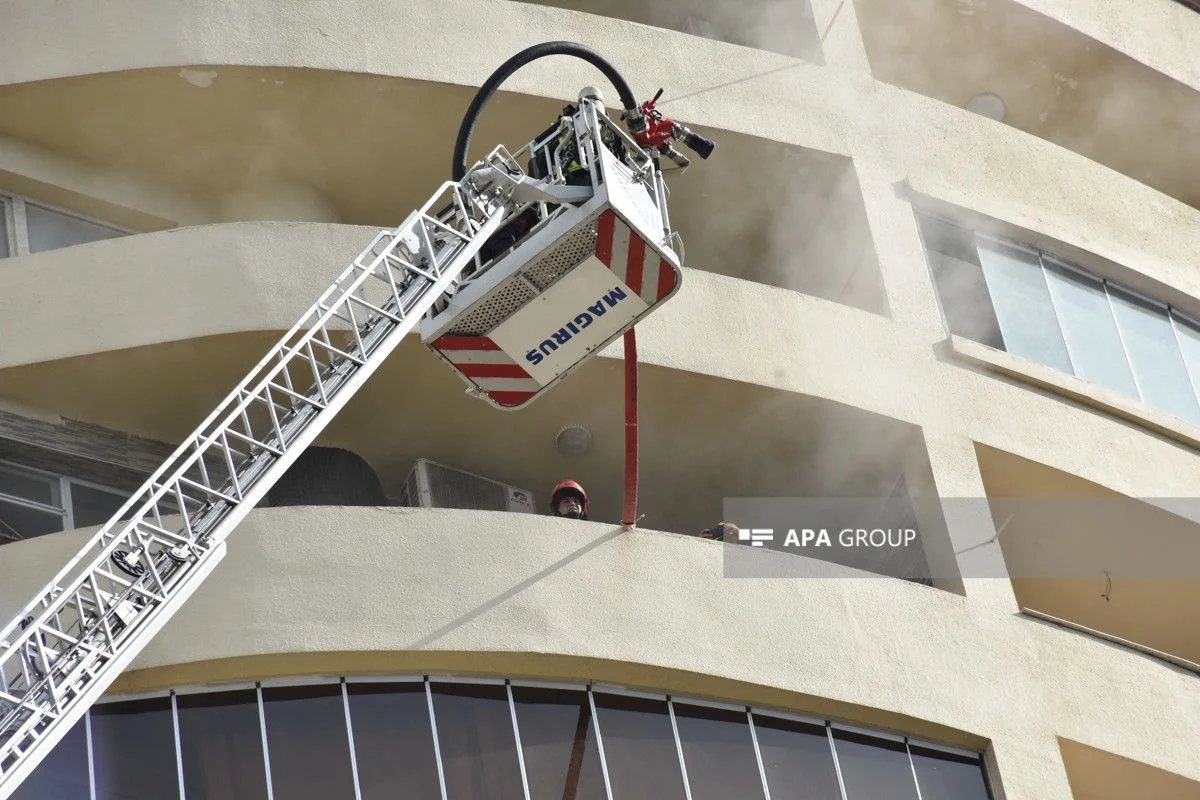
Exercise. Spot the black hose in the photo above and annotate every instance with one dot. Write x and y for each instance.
(467, 129)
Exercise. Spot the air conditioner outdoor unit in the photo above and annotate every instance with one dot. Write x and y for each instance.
(434, 485)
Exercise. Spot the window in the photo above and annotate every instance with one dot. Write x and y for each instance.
(6, 228)
(307, 742)
(34, 503)
(29, 227)
(1029, 303)
(133, 750)
(428, 737)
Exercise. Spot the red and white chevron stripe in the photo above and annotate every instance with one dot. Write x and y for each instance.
(626, 254)
(488, 367)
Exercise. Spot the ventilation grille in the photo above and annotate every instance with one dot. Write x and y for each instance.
(513, 293)
(564, 258)
(499, 306)
(411, 496)
(450, 488)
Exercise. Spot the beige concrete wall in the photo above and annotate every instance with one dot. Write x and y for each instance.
(1159, 33)
(400, 589)
(128, 200)
(261, 276)
(960, 157)
(394, 589)
(1162, 34)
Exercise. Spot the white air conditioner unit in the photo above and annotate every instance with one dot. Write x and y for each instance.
(434, 485)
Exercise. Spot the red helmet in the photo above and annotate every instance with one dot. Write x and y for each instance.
(568, 487)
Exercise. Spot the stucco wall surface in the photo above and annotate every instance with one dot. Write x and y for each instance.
(362, 581)
(232, 280)
(1002, 170)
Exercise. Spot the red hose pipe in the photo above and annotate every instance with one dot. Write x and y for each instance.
(629, 514)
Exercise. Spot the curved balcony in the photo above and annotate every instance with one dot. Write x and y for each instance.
(158, 377)
(307, 591)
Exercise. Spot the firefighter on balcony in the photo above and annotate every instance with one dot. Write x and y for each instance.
(569, 500)
(722, 531)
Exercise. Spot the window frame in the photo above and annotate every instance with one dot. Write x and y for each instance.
(993, 234)
(63, 482)
(12, 206)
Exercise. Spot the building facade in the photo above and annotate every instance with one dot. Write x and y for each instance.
(942, 260)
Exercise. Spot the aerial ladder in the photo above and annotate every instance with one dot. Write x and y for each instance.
(515, 274)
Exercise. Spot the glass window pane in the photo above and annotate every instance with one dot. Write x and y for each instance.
(718, 753)
(942, 776)
(393, 743)
(5, 229)
(1154, 353)
(90, 506)
(639, 747)
(1022, 303)
(50, 230)
(558, 739)
(965, 300)
(797, 759)
(29, 486)
(63, 775)
(874, 769)
(962, 291)
(221, 741)
(1189, 341)
(133, 749)
(475, 735)
(1090, 330)
(947, 238)
(21, 522)
(307, 744)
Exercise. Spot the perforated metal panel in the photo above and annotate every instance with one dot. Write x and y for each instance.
(564, 258)
(411, 496)
(514, 292)
(499, 306)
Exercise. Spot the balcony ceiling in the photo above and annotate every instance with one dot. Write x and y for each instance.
(1056, 83)
(376, 147)
(702, 439)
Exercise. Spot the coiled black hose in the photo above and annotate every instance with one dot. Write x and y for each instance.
(467, 129)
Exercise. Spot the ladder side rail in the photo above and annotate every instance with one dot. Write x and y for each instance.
(470, 238)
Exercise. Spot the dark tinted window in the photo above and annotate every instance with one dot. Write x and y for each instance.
(797, 759)
(558, 739)
(63, 775)
(942, 776)
(874, 769)
(718, 753)
(479, 750)
(393, 742)
(220, 737)
(639, 747)
(133, 747)
(307, 742)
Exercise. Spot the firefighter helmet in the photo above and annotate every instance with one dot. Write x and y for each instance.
(569, 487)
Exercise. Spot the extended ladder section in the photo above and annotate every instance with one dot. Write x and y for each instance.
(518, 278)
(70, 643)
